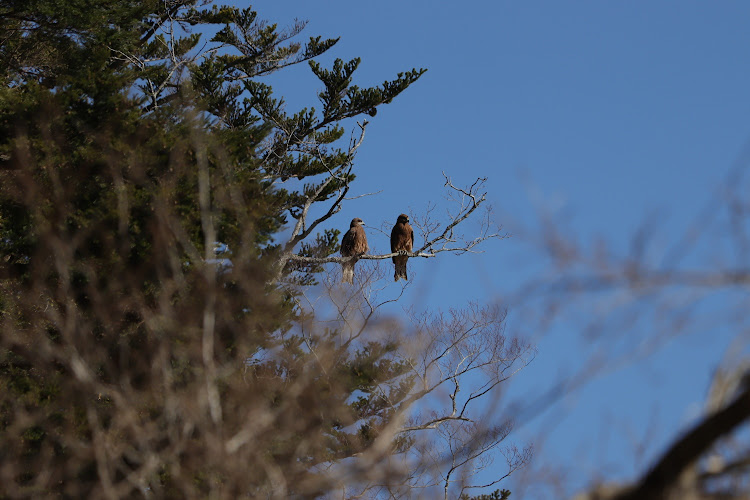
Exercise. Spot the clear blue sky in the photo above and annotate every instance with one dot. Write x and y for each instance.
(612, 110)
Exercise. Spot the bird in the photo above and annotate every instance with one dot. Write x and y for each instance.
(402, 240)
(354, 242)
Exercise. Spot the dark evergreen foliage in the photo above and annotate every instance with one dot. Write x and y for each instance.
(495, 495)
(124, 156)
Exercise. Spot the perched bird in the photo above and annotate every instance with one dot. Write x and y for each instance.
(402, 240)
(354, 242)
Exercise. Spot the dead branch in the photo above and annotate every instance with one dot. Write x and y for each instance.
(438, 237)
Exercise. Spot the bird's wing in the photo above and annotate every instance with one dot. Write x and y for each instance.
(347, 243)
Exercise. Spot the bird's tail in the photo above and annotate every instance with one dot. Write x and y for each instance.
(347, 273)
(400, 272)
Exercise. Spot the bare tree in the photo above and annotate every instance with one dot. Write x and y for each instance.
(464, 356)
(448, 406)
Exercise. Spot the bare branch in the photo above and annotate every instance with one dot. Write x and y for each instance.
(469, 200)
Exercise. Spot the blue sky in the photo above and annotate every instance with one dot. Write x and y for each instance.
(605, 113)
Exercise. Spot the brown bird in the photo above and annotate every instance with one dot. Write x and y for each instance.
(354, 242)
(402, 240)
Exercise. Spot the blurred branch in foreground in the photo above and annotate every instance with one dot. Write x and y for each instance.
(626, 306)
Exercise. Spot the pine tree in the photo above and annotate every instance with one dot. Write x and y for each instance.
(126, 155)
(152, 335)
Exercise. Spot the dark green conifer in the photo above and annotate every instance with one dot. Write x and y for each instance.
(125, 155)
